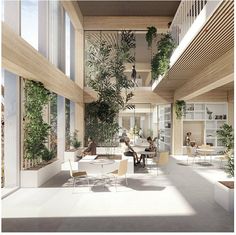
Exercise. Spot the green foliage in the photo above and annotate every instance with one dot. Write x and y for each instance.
(106, 66)
(150, 35)
(225, 133)
(74, 140)
(53, 123)
(36, 130)
(161, 61)
(180, 108)
(47, 154)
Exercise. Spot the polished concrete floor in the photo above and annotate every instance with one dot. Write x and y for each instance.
(179, 199)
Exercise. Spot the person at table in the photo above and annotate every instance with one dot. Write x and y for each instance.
(129, 151)
(188, 138)
(91, 149)
(152, 148)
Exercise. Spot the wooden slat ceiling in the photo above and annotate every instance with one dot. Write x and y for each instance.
(213, 41)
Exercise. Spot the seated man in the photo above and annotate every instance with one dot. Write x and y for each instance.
(91, 149)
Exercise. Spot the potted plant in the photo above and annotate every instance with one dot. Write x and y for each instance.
(180, 108)
(74, 150)
(150, 35)
(224, 190)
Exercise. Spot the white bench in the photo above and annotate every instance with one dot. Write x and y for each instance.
(85, 164)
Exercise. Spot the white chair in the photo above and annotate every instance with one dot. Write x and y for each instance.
(77, 175)
(121, 171)
(191, 154)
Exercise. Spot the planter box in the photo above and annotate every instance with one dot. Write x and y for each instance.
(35, 178)
(71, 155)
(224, 196)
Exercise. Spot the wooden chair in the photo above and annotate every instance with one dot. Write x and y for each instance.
(162, 160)
(77, 175)
(121, 171)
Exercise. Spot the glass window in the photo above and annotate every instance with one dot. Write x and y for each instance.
(9, 132)
(68, 36)
(2, 7)
(29, 22)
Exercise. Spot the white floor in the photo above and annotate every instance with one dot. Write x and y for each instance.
(180, 200)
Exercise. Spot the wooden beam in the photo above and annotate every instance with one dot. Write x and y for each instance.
(22, 59)
(215, 75)
(126, 22)
(74, 12)
(230, 96)
(141, 95)
(211, 96)
(148, 79)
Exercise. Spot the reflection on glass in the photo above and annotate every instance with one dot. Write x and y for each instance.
(29, 22)
(142, 119)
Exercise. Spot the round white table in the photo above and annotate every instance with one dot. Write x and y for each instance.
(206, 151)
(102, 162)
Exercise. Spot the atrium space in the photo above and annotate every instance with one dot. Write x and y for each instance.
(117, 116)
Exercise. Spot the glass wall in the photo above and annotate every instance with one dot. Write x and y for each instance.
(138, 123)
(29, 22)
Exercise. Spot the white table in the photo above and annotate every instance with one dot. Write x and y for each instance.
(102, 162)
(206, 151)
(145, 153)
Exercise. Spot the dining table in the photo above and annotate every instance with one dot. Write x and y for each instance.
(145, 153)
(206, 152)
(101, 163)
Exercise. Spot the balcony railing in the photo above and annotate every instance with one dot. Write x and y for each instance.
(185, 16)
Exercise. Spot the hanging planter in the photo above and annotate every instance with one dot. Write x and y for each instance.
(180, 108)
(150, 35)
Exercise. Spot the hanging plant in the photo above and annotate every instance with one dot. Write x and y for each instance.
(180, 108)
(227, 137)
(150, 35)
(161, 61)
(36, 130)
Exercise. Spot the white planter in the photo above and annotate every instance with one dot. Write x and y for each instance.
(71, 155)
(224, 196)
(35, 178)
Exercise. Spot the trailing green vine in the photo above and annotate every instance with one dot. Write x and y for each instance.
(180, 108)
(36, 131)
(161, 61)
(150, 35)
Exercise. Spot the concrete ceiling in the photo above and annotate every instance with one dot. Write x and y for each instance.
(128, 8)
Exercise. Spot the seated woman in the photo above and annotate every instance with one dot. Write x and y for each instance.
(129, 151)
(152, 148)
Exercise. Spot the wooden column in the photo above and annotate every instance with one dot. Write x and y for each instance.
(79, 80)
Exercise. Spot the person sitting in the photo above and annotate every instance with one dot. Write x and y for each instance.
(129, 151)
(152, 148)
(188, 139)
(91, 149)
